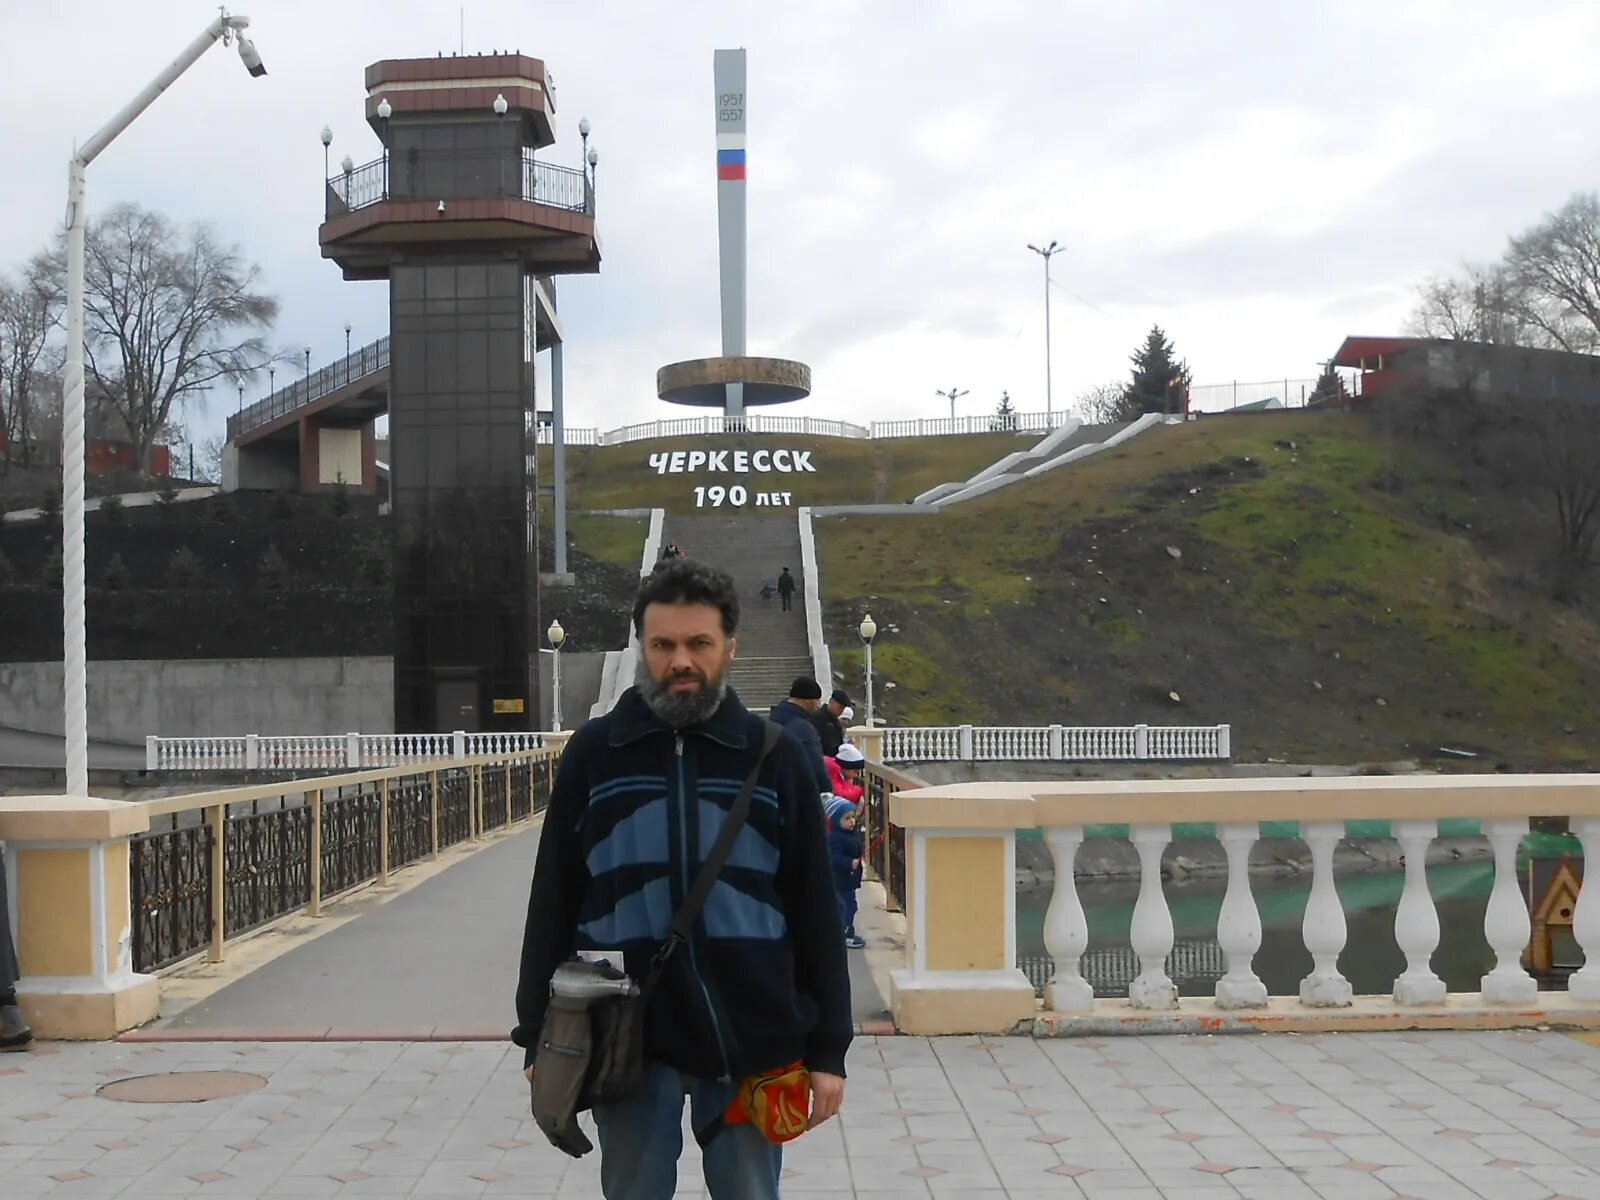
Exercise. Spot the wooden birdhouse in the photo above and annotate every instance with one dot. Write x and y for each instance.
(1553, 893)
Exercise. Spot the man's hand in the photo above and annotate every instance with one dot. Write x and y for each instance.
(827, 1095)
(528, 1071)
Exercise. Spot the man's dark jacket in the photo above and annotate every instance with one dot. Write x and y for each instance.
(829, 730)
(798, 722)
(635, 808)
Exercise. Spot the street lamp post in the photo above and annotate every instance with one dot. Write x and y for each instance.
(952, 395)
(557, 635)
(594, 174)
(228, 28)
(385, 111)
(501, 107)
(308, 369)
(240, 382)
(1046, 253)
(327, 171)
(868, 631)
(347, 165)
(347, 339)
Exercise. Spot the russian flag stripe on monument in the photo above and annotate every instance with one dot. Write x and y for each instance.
(730, 163)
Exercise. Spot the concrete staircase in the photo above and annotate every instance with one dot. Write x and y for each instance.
(773, 646)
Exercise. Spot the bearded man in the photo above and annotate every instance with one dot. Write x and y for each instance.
(639, 798)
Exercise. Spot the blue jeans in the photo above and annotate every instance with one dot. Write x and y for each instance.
(642, 1138)
(847, 909)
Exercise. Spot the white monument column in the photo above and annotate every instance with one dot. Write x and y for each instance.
(728, 70)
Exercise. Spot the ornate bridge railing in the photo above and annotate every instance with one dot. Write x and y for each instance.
(219, 864)
(886, 843)
(1056, 743)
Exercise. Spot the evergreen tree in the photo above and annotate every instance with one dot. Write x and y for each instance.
(273, 570)
(1330, 388)
(185, 570)
(1005, 414)
(116, 577)
(1160, 381)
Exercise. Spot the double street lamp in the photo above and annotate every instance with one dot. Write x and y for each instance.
(952, 395)
(227, 28)
(1046, 253)
(868, 631)
(557, 635)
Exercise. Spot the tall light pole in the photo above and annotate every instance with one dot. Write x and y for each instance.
(1046, 253)
(327, 172)
(385, 111)
(868, 631)
(557, 635)
(228, 29)
(952, 395)
(347, 339)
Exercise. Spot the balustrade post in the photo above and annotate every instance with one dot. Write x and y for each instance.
(1324, 927)
(433, 819)
(217, 818)
(314, 907)
(1141, 741)
(1239, 923)
(1066, 930)
(383, 830)
(352, 750)
(964, 743)
(1151, 934)
(151, 753)
(458, 744)
(252, 751)
(1225, 741)
(1416, 920)
(1058, 749)
(1584, 984)
(1506, 925)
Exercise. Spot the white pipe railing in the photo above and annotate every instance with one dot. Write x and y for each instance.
(1056, 743)
(325, 751)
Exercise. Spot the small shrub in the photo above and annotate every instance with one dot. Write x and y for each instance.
(273, 571)
(282, 507)
(50, 504)
(8, 573)
(51, 572)
(221, 510)
(116, 577)
(185, 570)
(113, 510)
(375, 570)
(167, 493)
(341, 498)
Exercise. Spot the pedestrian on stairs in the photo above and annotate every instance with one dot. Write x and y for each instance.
(786, 589)
(826, 719)
(794, 714)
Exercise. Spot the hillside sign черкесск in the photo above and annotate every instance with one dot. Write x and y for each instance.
(735, 462)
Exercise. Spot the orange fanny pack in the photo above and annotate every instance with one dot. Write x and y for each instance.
(778, 1103)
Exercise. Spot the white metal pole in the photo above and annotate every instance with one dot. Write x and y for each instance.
(75, 654)
(1049, 406)
(869, 685)
(558, 452)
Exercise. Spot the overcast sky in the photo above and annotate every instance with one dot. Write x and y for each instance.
(1259, 178)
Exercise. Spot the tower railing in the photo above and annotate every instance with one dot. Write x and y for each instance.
(390, 178)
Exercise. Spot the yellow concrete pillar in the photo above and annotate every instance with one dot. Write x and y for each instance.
(961, 971)
(67, 865)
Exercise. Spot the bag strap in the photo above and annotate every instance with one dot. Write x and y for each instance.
(683, 920)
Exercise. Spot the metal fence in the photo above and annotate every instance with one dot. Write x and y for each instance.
(326, 751)
(1110, 969)
(1056, 743)
(468, 175)
(356, 365)
(228, 862)
(886, 842)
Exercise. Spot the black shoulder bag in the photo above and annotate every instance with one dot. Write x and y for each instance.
(591, 1046)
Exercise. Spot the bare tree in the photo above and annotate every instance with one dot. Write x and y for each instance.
(168, 312)
(1104, 404)
(1554, 268)
(30, 311)
(1481, 304)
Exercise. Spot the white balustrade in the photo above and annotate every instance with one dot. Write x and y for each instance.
(1584, 984)
(1066, 930)
(1046, 743)
(1239, 923)
(1506, 924)
(1324, 925)
(1416, 920)
(1151, 933)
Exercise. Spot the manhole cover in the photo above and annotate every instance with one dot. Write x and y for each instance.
(182, 1087)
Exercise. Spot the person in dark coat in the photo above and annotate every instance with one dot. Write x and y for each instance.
(794, 714)
(14, 1031)
(786, 589)
(844, 856)
(826, 719)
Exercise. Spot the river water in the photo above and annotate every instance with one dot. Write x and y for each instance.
(1371, 958)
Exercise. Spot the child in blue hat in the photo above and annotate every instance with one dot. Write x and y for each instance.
(844, 855)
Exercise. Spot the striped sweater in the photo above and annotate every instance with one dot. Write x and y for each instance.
(635, 809)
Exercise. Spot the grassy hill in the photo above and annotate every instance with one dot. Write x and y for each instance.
(1333, 588)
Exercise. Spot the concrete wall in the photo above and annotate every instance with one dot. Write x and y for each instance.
(200, 697)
